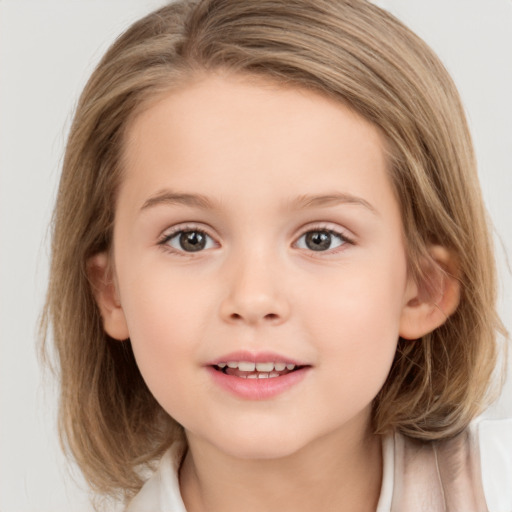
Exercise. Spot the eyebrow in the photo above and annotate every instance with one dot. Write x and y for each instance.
(170, 198)
(305, 201)
(312, 201)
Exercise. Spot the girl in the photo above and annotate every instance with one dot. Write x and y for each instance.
(272, 280)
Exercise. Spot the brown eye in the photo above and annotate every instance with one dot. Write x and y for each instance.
(190, 241)
(320, 240)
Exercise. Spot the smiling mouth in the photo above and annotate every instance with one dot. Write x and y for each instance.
(250, 370)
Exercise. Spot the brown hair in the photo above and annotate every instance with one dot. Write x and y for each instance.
(349, 50)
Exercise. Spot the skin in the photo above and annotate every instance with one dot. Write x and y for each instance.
(255, 150)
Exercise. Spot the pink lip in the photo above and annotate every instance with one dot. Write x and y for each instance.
(257, 389)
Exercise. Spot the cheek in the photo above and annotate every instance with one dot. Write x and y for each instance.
(358, 327)
(163, 306)
(165, 327)
(356, 335)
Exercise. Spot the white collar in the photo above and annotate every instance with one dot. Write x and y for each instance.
(163, 489)
(388, 470)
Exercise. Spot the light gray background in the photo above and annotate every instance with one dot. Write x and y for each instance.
(47, 50)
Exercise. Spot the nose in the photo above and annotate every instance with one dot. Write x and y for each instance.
(255, 292)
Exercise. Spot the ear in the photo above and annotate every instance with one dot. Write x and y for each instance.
(105, 292)
(429, 304)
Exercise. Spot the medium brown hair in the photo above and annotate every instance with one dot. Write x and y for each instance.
(349, 50)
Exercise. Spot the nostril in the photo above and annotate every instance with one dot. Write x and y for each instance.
(269, 316)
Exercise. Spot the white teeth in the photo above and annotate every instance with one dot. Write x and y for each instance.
(252, 376)
(267, 368)
(264, 367)
(262, 375)
(271, 375)
(245, 366)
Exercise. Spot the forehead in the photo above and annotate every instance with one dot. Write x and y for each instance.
(227, 134)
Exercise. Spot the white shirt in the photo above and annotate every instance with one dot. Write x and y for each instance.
(465, 474)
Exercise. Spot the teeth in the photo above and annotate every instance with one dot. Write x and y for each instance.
(264, 367)
(245, 366)
(252, 376)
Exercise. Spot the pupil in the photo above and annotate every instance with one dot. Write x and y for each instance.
(192, 241)
(318, 240)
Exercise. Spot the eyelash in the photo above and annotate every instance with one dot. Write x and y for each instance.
(341, 235)
(163, 242)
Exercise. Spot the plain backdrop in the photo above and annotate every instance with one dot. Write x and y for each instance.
(47, 50)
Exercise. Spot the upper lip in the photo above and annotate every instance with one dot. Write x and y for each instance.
(255, 357)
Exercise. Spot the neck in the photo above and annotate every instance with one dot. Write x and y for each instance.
(342, 472)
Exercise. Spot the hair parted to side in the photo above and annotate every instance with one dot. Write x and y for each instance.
(349, 50)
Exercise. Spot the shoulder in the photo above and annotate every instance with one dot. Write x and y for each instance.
(494, 440)
(470, 472)
(161, 492)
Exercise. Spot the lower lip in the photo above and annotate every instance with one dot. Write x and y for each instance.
(257, 389)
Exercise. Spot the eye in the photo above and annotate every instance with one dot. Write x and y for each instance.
(190, 240)
(321, 240)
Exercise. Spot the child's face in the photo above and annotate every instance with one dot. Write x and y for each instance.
(257, 223)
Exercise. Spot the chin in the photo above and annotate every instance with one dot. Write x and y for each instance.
(260, 444)
(260, 450)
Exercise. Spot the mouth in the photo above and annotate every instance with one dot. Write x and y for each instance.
(252, 370)
(257, 376)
